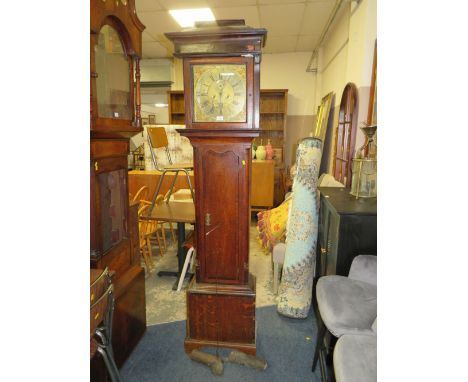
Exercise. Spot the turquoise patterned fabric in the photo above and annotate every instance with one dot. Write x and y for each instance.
(295, 291)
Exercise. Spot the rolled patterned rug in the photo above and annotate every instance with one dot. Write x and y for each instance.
(295, 291)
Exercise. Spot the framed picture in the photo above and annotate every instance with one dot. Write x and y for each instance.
(144, 121)
(372, 110)
(152, 119)
(323, 112)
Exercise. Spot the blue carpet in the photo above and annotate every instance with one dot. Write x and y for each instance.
(287, 344)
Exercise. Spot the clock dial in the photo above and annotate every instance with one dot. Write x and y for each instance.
(219, 93)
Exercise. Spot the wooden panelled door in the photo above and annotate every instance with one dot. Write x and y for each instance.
(345, 135)
(223, 204)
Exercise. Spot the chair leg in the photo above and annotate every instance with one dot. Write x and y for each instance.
(190, 184)
(150, 251)
(276, 276)
(174, 240)
(161, 253)
(168, 196)
(163, 233)
(147, 253)
(321, 330)
(110, 363)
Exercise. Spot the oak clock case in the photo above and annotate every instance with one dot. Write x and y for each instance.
(221, 82)
(115, 51)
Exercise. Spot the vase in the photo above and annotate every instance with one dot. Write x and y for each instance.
(260, 153)
(269, 151)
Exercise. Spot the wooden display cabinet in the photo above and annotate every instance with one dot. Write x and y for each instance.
(115, 51)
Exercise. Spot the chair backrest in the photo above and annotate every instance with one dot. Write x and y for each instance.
(99, 310)
(145, 226)
(364, 268)
(142, 193)
(99, 286)
(157, 137)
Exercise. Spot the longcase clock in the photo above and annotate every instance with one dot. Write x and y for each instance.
(221, 64)
(115, 51)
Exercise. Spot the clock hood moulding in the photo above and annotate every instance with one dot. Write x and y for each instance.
(218, 40)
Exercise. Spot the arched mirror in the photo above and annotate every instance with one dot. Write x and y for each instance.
(113, 81)
(345, 135)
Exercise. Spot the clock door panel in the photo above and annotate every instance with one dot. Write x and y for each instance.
(224, 232)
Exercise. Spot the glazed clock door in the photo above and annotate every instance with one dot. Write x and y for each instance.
(222, 208)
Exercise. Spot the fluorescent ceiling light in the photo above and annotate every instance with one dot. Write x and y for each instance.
(187, 17)
(160, 104)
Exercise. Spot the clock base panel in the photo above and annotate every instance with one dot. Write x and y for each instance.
(221, 316)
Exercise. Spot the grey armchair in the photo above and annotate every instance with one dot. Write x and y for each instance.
(346, 306)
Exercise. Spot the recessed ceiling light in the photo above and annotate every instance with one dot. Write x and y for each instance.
(160, 104)
(187, 17)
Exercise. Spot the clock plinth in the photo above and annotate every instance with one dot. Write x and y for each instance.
(222, 90)
(221, 316)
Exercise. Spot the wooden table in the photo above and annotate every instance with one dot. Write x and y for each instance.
(150, 178)
(180, 213)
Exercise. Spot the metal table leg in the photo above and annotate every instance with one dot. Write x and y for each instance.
(180, 256)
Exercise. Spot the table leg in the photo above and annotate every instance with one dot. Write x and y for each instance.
(180, 256)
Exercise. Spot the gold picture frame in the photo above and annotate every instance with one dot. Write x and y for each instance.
(152, 119)
(372, 110)
(323, 112)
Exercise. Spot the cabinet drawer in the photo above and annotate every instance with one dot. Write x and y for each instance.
(103, 149)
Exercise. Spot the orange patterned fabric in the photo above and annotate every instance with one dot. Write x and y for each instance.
(271, 226)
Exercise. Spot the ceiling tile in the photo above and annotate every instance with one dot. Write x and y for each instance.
(306, 43)
(230, 3)
(183, 4)
(154, 50)
(315, 17)
(249, 14)
(147, 5)
(282, 20)
(280, 44)
(158, 23)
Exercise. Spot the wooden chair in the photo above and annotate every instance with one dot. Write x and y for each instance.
(157, 138)
(159, 200)
(142, 194)
(101, 312)
(147, 229)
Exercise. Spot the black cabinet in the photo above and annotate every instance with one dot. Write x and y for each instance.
(347, 228)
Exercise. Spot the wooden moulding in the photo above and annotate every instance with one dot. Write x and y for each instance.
(221, 316)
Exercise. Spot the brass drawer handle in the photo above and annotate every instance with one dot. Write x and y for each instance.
(323, 250)
(207, 219)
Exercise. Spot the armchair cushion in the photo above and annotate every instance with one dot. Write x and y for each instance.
(355, 359)
(346, 306)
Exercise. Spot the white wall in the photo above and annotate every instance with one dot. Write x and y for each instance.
(346, 56)
(288, 71)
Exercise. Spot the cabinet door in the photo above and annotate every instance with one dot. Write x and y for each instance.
(333, 238)
(222, 191)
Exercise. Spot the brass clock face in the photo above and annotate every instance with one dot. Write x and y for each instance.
(219, 93)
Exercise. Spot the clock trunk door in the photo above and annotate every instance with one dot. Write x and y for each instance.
(222, 213)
